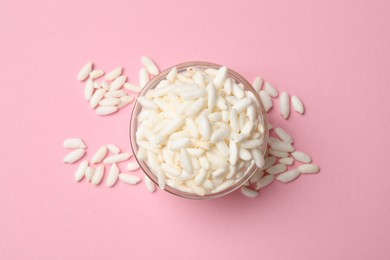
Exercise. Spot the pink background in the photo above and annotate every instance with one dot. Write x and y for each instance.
(334, 54)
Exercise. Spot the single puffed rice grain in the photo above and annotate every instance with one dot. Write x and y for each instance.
(297, 105)
(283, 135)
(276, 169)
(99, 155)
(270, 89)
(96, 97)
(249, 192)
(113, 74)
(143, 77)
(283, 147)
(116, 93)
(149, 65)
(80, 172)
(74, 156)
(113, 148)
(118, 83)
(89, 89)
(109, 102)
(288, 176)
(129, 178)
(113, 175)
(149, 184)
(84, 72)
(132, 166)
(124, 101)
(96, 74)
(256, 176)
(258, 83)
(106, 110)
(287, 161)
(266, 100)
(265, 181)
(117, 158)
(309, 168)
(284, 104)
(72, 143)
(89, 173)
(301, 157)
(132, 87)
(98, 175)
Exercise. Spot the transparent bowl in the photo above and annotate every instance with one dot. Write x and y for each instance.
(183, 67)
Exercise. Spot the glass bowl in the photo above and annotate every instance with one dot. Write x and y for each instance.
(183, 67)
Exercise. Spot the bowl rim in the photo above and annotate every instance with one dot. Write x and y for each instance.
(134, 124)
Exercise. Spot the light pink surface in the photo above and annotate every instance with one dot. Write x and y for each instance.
(333, 54)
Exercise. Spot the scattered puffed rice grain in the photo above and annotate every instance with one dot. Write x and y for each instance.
(132, 166)
(149, 184)
(96, 97)
(116, 93)
(283, 135)
(114, 74)
(125, 100)
(80, 172)
(118, 83)
(99, 155)
(265, 181)
(96, 74)
(149, 65)
(113, 148)
(106, 110)
(98, 175)
(129, 178)
(89, 173)
(276, 153)
(74, 143)
(284, 104)
(249, 193)
(297, 105)
(105, 85)
(109, 102)
(288, 176)
(268, 162)
(287, 161)
(84, 72)
(132, 87)
(143, 77)
(266, 100)
(276, 169)
(89, 89)
(283, 147)
(301, 157)
(256, 176)
(257, 83)
(258, 157)
(74, 156)
(271, 90)
(117, 158)
(309, 168)
(113, 175)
